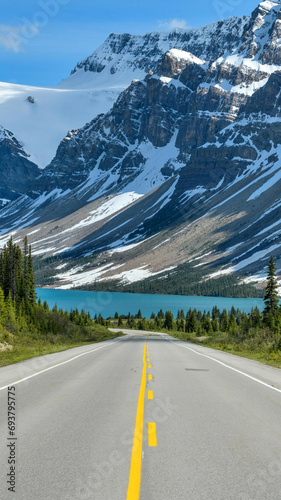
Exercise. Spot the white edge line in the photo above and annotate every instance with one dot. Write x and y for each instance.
(227, 366)
(55, 366)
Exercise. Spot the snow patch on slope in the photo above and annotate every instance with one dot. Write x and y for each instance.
(75, 277)
(108, 208)
(182, 55)
(257, 256)
(151, 176)
(267, 185)
(3, 202)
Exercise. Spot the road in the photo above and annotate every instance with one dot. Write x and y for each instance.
(144, 417)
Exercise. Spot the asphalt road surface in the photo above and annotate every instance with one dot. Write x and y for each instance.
(141, 417)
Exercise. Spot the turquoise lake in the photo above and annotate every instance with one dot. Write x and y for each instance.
(107, 303)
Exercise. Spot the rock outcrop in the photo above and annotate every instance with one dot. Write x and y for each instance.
(17, 172)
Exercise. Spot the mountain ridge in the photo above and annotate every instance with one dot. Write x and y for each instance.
(184, 167)
(149, 45)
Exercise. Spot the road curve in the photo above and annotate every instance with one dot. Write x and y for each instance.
(211, 424)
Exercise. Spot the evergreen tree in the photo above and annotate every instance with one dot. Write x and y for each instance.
(224, 322)
(2, 305)
(30, 280)
(139, 314)
(25, 260)
(158, 323)
(271, 296)
(215, 325)
(168, 323)
(9, 318)
(181, 325)
(161, 314)
(215, 313)
(256, 317)
(192, 324)
(207, 325)
(16, 275)
(141, 324)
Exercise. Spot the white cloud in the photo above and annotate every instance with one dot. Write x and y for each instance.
(15, 37)
(10, 37)
(173, 23)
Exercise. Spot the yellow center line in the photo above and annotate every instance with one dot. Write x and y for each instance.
(150, 394)
(133, 492)
(148, 359)
(149, 366)
(152, 439)
(150, 377)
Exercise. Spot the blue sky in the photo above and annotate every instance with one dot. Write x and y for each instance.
(42, 40)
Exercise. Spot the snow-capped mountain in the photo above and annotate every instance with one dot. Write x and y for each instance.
(183, 167)
(95, 84)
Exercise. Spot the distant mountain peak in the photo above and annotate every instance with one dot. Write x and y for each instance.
(262, 37)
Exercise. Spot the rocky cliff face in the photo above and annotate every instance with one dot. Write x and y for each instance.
(187, 161)
(17, 172)
(175, 103)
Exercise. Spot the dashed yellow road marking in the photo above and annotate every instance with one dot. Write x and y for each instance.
(152, 439)
(150, 394)
(150, 377)
(149, 366)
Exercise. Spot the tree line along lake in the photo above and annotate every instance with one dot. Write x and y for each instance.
(107, 303)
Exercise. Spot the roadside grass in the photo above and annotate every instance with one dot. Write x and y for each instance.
(25, 346)
(247, 348)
